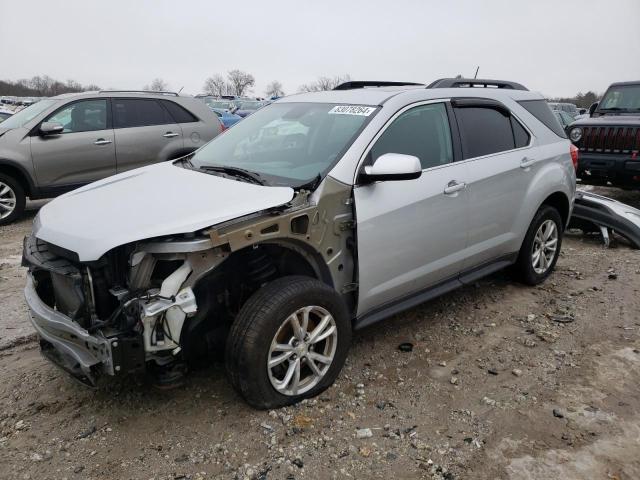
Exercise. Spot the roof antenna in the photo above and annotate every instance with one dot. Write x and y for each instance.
(476, 75)
(180, 89)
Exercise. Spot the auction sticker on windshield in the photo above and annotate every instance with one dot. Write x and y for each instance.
(352, 110)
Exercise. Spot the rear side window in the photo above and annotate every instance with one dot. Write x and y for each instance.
(179, 114)
(484, 131)
(423, 132)
(540, 109)
(520, 135)
(134, 112)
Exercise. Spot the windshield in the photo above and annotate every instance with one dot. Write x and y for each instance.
(23, 116)
(287, 143)
(622, 98)
(218, 104)
(250, 105)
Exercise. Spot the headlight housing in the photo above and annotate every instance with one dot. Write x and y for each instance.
(576, 134)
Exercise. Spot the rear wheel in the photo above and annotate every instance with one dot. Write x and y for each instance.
(289, 342)
(541, 247)
(12, 199)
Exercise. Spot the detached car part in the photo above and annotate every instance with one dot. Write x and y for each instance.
(606, 213)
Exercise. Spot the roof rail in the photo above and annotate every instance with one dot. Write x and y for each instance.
(475, 82)
(150, 92)
(351, 85)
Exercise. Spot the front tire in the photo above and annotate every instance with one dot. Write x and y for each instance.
(289, 342)
(541, 247)
(12, 199)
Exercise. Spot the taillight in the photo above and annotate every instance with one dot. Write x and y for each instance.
(575, 154)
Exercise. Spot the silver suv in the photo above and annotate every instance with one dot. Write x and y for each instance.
(64, 142)
(319, 214)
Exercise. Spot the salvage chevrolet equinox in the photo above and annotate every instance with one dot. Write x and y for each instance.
(318, 215)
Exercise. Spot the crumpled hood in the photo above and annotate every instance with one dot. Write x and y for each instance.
(161, 199)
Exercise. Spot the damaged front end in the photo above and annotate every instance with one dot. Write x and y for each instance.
(161, 304)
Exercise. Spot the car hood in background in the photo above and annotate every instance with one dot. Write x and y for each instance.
(154, 201)
(606, 120)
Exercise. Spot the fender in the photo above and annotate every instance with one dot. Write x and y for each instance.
(25, 177)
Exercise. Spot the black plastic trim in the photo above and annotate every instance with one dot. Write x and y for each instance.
(475, 83)
(414, 299)
(351, 85)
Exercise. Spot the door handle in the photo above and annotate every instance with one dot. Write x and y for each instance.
(526, 162)
(454, 186)
(102, 141)
(170, 135)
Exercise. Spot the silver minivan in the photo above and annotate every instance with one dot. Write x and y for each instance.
(61, 143)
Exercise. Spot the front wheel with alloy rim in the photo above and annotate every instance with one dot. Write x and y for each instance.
(289, 342)
(541, 247)
(12, 199)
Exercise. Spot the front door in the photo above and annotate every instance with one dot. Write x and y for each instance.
(82, 153)
(412, 233)
(145, 132)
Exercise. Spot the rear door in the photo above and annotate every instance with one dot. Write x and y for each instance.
(501, 164)
(412, 233)
(196, 131)
(83, 152)
(145, 133)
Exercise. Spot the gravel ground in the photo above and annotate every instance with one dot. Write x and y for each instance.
(503, 381)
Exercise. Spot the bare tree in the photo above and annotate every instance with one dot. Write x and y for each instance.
(216, 85)
(157, 85)
(239, 82)
(274, 89)
(324, 83)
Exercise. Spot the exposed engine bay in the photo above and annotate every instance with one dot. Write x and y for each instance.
(167, 304)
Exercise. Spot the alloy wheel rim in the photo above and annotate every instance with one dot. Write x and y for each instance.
(7, 200)
(302, 350)
(545, 244)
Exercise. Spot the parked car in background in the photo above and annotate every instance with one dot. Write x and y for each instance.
(609, 140)
(317, 215)
(64, 142)
(248, 107)
(227, 118)
(219, 103)
(564, 118)
(4, 114)
(569, 108)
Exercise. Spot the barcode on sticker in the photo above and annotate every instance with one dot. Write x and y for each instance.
(352, 110)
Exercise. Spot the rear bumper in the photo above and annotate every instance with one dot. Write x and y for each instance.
(66, 344)
(601, 168)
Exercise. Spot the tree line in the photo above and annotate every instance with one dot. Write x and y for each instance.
(581, 100)
(42, 86)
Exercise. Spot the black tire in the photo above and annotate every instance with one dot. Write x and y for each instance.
(523, 268)
(255, 326)
(18, 191)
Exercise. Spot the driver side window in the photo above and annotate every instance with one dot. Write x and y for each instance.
(421, 131)
(83, 116)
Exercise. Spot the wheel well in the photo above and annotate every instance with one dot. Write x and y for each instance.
(18, 175)
(222, 293)
(560, 202)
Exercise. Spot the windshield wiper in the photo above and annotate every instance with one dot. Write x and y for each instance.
(235, 172)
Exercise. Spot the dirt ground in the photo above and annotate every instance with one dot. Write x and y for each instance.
(503, 381)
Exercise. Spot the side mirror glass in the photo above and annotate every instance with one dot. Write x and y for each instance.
(392, 166)
(51, 128)
(592, 108)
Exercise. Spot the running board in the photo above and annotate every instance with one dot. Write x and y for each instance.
(606, 214)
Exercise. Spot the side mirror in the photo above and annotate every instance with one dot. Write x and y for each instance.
(592, 108)
(392, 166)
(51, 128)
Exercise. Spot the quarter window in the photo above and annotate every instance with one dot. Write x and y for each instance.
(520, 135)
(484, 131)
(134, 112)
(423, 132)
(179, 114)
(82, 116)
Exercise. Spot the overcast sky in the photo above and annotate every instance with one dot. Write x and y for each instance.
(558, 47)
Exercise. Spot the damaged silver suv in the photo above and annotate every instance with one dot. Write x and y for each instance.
(320, 214)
